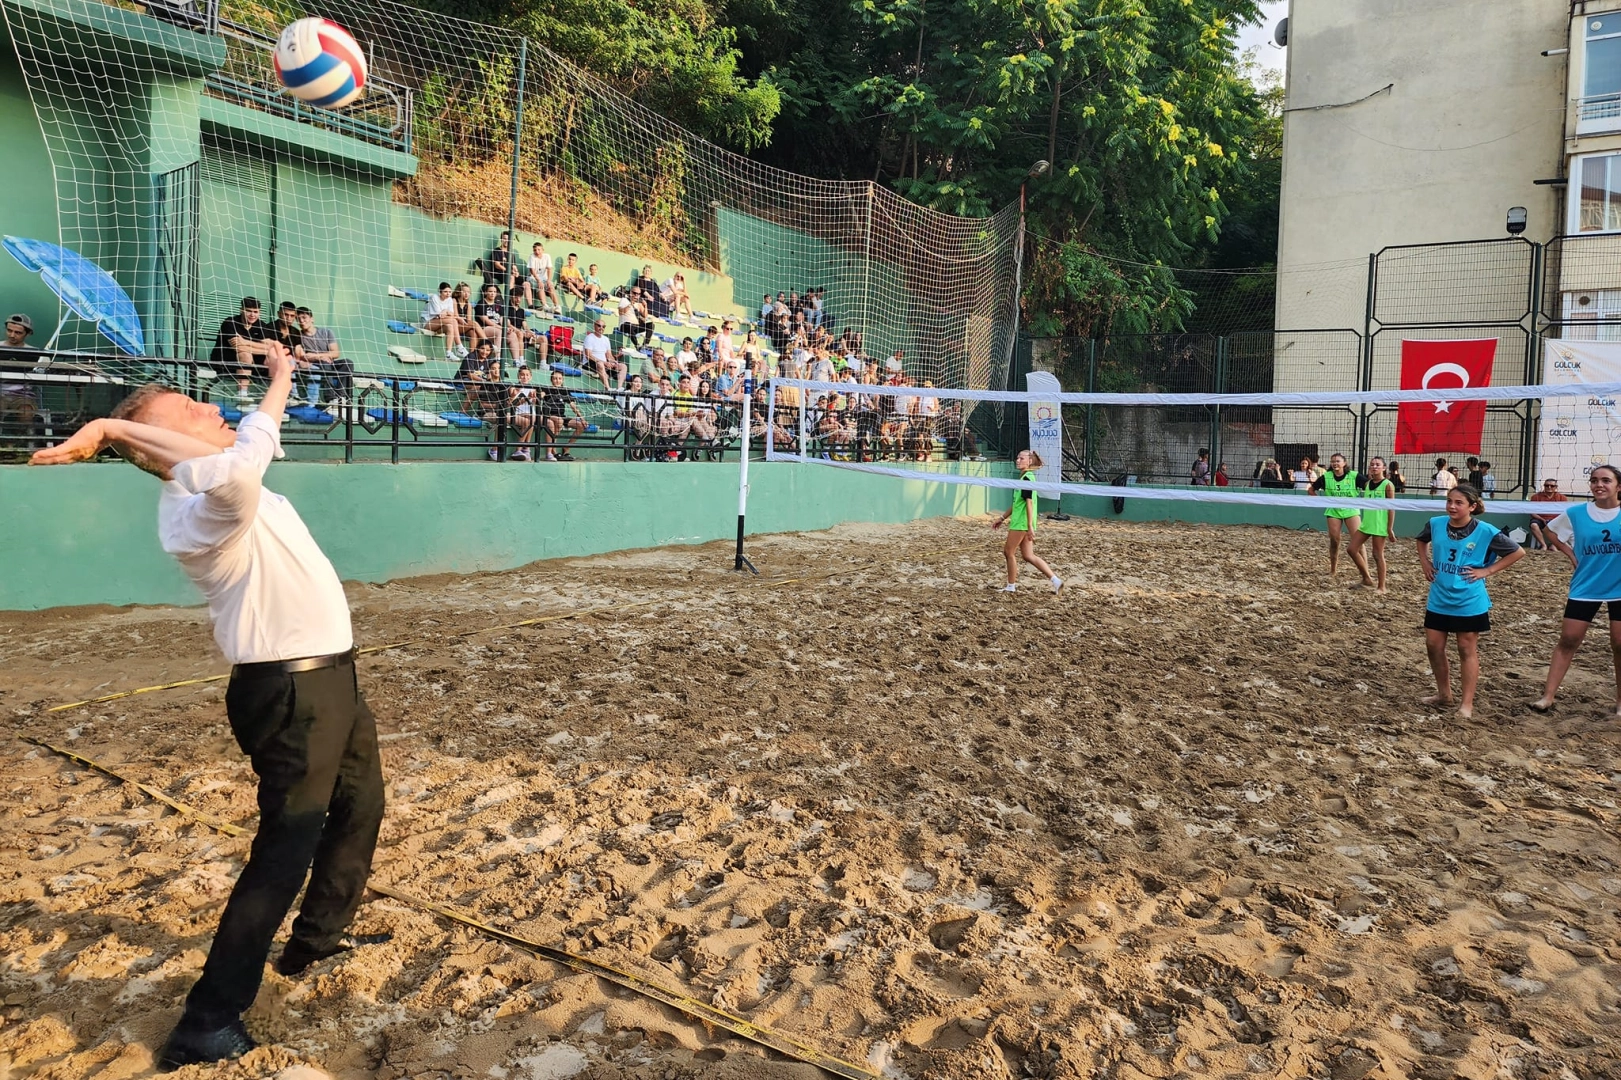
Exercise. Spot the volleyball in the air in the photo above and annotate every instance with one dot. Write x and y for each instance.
(318, 62)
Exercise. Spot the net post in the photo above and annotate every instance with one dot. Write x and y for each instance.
(742, 561)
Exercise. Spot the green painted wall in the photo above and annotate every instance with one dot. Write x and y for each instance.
(87, 534)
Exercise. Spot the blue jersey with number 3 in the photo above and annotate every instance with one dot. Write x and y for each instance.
(1451, 593)
(1598, 556)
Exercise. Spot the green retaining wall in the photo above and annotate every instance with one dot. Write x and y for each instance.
(86, 534)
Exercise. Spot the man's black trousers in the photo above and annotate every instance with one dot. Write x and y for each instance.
(313, 744)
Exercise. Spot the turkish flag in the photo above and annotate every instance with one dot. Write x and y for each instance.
(1433, 427)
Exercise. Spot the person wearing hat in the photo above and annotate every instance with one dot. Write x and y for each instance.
(243, 342)
(295, 708)
(19, 406)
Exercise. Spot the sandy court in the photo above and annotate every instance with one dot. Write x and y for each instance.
(1186, 820)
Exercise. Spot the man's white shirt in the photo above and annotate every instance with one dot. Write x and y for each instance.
(597, 347)
(272, 594)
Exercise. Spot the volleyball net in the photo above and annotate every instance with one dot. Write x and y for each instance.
(178, 164)
(926, 433)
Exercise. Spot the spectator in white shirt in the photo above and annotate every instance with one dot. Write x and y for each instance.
(675, 295)
(540, 280)
(440, 318)
(687, 357)
(281, 617)
(1444, 480)
(598, 353)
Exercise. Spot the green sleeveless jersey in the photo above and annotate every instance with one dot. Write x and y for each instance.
(1343, 488)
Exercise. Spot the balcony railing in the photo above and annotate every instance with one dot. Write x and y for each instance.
(1599, 113)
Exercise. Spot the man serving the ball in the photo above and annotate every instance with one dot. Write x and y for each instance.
(281, 618)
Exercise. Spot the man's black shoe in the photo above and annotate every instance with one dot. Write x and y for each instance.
(297, 957)
(188, 1047)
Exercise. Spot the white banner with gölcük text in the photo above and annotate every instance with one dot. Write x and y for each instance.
(1577, 432)
(1047, 431)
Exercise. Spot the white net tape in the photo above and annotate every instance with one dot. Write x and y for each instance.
(803, 445)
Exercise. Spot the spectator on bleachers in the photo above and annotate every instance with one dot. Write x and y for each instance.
(462, 294)
(575, 284)
(285, 328)
(676, 300)
(322, 359)
(522, 404)
(489, 397)
(687, 355)
(654, 363)
(439, 317)
(635, 319)
(242, 343)
(520, 335)
(637, 409)
(723, 344)
(813, 312)
(594, 284)
(498, 267)
(19, 402)
(490, 315)
(597, 352)
(694, 415)
(896, 364)
(648, 285)
(708, 344)
(557, 402)
(821, 366)
(540, 279)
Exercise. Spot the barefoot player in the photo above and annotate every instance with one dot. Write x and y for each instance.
(1467, 551)
(1590, 537)
(1021, 523)
(281, 618)
(1376, 525)
(1340, 482)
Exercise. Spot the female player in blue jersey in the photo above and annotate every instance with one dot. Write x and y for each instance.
(1590, 536)
(1467, 551)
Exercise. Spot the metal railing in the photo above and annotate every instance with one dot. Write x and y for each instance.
(339, 415)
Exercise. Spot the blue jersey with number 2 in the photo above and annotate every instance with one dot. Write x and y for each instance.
(1598, 556)
(1451, 593)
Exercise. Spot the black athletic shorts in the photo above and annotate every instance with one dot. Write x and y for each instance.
(1587, 610)
(1458, 624)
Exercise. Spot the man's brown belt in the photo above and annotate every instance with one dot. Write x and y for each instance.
(289, 667)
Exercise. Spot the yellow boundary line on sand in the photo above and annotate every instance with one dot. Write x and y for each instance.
(699, 1010)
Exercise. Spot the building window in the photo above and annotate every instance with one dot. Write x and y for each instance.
(1595, 198)
(1592, 315)
(1600, 105)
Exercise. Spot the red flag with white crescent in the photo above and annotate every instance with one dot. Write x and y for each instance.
(1437, 427)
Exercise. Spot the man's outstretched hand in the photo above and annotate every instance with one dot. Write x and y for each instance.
(84, 445)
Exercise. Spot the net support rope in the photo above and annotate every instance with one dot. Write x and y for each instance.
(1189, 494)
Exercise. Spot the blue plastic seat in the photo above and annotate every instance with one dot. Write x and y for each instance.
(395, 326)
(417, 294)
(461, 419)
(570, 372)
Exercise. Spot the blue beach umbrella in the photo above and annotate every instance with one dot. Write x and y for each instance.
(89, 291)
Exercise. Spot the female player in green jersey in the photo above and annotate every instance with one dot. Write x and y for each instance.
(1340, 482)
(1021, 522)
(1377, 525)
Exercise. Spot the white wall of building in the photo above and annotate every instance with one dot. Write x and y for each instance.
(1473, 117)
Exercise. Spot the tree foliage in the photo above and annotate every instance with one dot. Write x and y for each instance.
(1155, 135)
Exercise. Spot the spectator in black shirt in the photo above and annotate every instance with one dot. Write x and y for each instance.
(651, 293)
(242, 344)
(498, 268)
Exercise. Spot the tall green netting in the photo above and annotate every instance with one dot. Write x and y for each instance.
(184, 169)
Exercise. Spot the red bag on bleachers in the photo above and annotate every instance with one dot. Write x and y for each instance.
(561, 340)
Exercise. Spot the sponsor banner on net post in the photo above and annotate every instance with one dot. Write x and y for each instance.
(1046, 431)
(1578, 431)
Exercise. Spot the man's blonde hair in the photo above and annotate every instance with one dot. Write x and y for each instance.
(133, 408)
